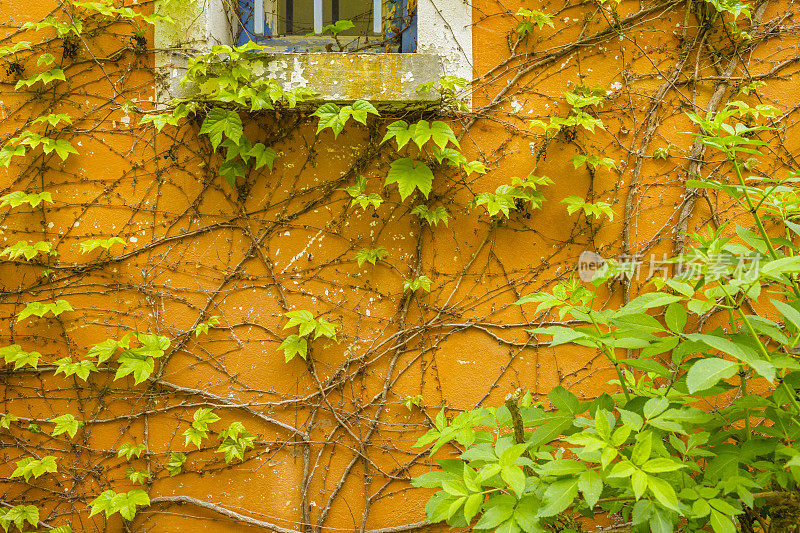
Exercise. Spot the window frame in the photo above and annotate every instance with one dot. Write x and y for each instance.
(444, 48)
(251, 31)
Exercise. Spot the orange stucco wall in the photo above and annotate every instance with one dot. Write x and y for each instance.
(332, 434)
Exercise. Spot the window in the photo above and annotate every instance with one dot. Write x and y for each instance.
(298, 25)
(438, 32)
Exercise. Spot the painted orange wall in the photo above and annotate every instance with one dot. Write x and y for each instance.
(193, 250)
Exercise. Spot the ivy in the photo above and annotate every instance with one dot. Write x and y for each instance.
(371, 255)
(27, 250)
(420, 132)
(432, 216)
(203, 327)
(418, 283)
(175, 463)
(198, 431)
(18, 515)
(90, 245)
(137, 477)
(234, 441)
(17, 198)
(410, 175)
(357, 192)
(222, 122)
(66, 424)
(19, 357)
(129, 450)
(30, 467)
(110, 502)
(68, 367)
(40, 309)
(511, 197)
(529, 18)
(334, 117)
(596, 210)
(140, 361)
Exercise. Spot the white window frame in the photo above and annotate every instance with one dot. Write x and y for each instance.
(260, 10)
(444, 33)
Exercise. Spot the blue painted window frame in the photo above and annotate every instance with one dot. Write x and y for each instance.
(408, 36)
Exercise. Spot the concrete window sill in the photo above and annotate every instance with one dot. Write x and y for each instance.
(388, 81)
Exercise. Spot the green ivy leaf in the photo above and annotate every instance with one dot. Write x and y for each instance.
(432, 216)
(90, 245)
(30, 467)
(17, 198)
(129, 450)
(221, 122)
(410, 175)
(263, 155)
(399, 131)
(175, 463)
(294, 345)
(39, 309)
(66, 424)
(372, 256)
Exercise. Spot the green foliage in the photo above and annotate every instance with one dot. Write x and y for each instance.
(222, 122)
(334, 117)
(27, 250)
(91, 244)
(529, 18)
(370, 255)
(175, 463)
(511, 197)
(160, 120)
(597, 209)
(30, 467)
(450, 88)
(306, 323)
(582, 98)
(7, 420)
(359, 197)
(234, 441)
(15, 354)
(129, 450)
(140, 361)
(734, 7)
(664, 152)
(432, 216)
(44, 78)
(420, 132)
(137, 477)
(593, 161)
(337, 27)
(110, 502)
(203, 327)
(199, 428)
(17, 198)
(648, 452)
(66, 424)
(18, 515)
(294, 345)
(68, 367)
(40, 309)
(418, 283)
(410, 175)
(410, 402)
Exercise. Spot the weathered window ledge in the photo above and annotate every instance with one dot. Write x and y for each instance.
(388, 81)
(444, 47)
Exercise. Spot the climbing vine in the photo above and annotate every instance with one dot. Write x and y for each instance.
(251, 287)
